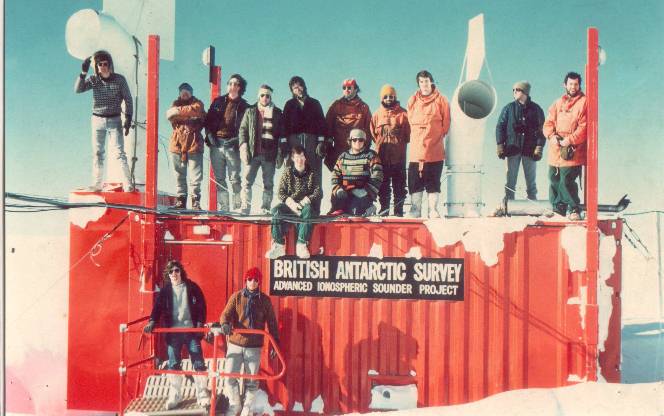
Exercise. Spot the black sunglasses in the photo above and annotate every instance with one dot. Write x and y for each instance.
(175, 270)
(357, 139)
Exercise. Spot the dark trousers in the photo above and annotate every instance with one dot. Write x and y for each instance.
(350, 204)
(394, 175)
(563, 190)
(430, 179)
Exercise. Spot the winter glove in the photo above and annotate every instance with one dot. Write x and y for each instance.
(85, 66)
(359, 192)
(127, 125)
(283, 147)
(294, 206)
(226, 328)
(172, 112)
(500, 150)
(305, 201)
(341, 193)
(210, 140)
(564, 142)
(244, 153)
(279, 162)
(555, 137)
(215, 327)
(322, 149)
(149, 327)
(537, 154)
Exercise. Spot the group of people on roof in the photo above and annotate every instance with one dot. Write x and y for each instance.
(244, 138)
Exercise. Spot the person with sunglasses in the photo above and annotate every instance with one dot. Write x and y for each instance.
(429, 118)
(520, 140)
(180, 304)
(248, 308)
(109, 91)
(222, 125)
(186, 115)
(356, 178)
(260, 132)
(345, 114)
(391, 133)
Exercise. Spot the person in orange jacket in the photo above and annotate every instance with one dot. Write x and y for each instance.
(429, 118)
(345, 114)
(187, 116)
(565, 129)
(391, 134)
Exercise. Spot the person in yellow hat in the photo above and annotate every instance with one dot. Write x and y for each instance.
(390, 131)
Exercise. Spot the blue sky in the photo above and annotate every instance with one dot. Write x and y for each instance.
(47, 128)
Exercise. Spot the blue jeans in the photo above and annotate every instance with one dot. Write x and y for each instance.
(226, 158)
(101, 126)
(529, 171)
(191, 169)
(175, 342)
(250, 174)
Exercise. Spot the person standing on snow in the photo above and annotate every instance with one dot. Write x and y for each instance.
(565, 128)
(248, 308)
(520, 140)
(109, 91)
(222, 125)
(260, 132)
(429, 118)
(181, 304)
(345, 114)
(187, 116)
(391, 133)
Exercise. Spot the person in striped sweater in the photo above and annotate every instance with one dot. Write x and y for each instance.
(356, 178)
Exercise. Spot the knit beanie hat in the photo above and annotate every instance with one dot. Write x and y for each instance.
(185, 86)
(253, 273)
(387, 89)
(357, 133)
(523, 86)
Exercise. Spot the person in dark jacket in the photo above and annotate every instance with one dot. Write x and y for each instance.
(519, 138)
(109, 90)
(300, 194)
(181, 304)
(304, 123)
(222, 125)
(260, 131)
(248, 308)
(356, 178)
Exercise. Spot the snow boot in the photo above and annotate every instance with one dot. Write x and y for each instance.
(180, 203)
(415, 205)
(302, 250)
(433, 204)
(202, 393)
(174, 391)
(276, 250)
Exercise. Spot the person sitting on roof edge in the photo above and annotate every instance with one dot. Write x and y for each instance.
(300, 194)
(181, 304)
(260, 131)
(187, 115)
(356, 178)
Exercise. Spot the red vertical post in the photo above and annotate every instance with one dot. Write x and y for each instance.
(215, 90)
(592, 232)
(152, 139)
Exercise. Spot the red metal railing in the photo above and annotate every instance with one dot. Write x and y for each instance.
(213, 373)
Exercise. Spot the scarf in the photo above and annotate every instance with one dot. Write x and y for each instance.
(249, 309)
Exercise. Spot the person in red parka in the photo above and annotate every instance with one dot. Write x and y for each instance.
(345, 114)
(429, 118)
